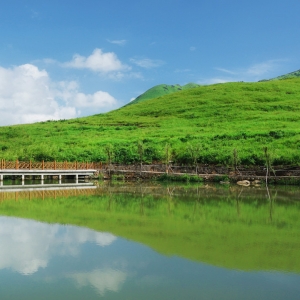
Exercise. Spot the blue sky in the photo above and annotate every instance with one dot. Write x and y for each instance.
(65, 59)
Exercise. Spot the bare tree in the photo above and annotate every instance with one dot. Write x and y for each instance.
(141, 150)
(168, 156)
(236, 161)
(109, 149)
(194, 152)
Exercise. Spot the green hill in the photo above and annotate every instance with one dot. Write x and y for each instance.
(161, 90)
(294, 74)
(289, 75)
(213, 119)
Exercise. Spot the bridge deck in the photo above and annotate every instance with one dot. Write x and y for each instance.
(46, 172)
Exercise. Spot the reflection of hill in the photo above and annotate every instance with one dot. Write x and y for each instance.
(225, 227)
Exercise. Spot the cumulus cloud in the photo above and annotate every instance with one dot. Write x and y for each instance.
(102, 280)
(27, 94)
(70, 94)
(27, 246)
(98, 61)
(98, 99)
(147, 63)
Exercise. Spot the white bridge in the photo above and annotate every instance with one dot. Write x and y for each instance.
(46, 170)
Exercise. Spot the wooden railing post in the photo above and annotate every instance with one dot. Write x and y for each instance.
(86, 165)
(55, 165)
(30, 165)
(17, 164)
(76, 165)
(65, 165)
(43, 164)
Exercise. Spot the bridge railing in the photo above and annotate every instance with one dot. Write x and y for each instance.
(54, 165)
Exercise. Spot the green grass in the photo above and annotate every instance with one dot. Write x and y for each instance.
(214, 119)
(231, 233)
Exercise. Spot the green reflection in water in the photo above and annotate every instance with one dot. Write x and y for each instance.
(236, 228)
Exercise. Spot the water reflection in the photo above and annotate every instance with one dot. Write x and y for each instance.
(151, 242)
(27, 246)
(69, 262)
(101, 280)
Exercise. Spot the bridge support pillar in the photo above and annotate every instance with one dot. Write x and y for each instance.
(1, 177)
(59, 179)
(42, 178)
(76, 177)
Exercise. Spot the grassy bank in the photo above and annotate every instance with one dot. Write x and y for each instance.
(203, 123)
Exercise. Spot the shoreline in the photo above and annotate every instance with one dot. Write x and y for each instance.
(225, 178)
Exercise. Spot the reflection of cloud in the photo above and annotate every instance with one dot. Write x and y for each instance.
(101, 280)
(27, 245)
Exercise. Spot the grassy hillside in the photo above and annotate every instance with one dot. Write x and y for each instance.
(294, 74)
(212, 120)
(161, 90)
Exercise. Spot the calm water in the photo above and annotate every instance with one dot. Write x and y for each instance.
(151, 242)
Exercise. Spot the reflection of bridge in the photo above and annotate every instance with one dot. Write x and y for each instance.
(43, 193)
(44, 170)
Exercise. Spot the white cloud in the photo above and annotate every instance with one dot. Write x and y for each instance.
(102, 280)
(35, 14)
(193, 48)
(70, 94)
(225, 71)
(98, 61)
(263, 68)
(98, 99)
(28, 95)
(147, 63)
(254, 72)
(118, 42)
(215, 80)
(27, 246)
(48, 61)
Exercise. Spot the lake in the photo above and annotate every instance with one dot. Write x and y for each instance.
(150, 241)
